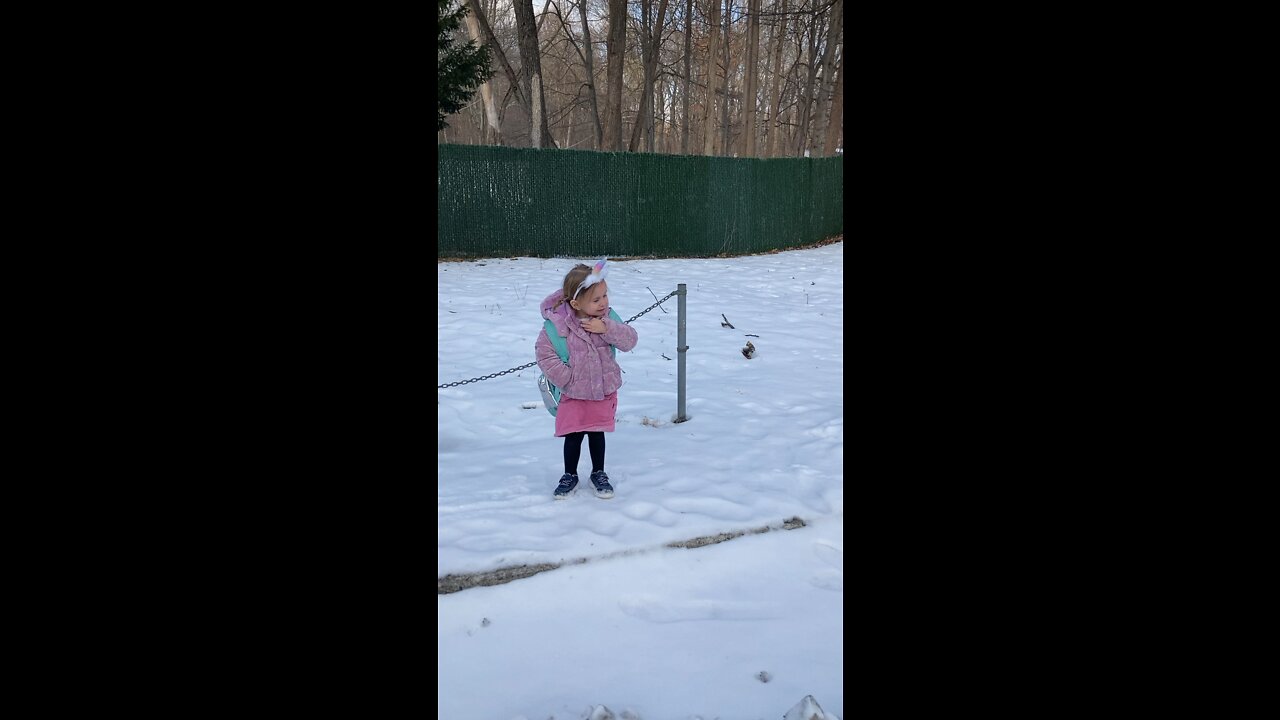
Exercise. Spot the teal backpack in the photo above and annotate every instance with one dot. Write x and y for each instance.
(551, 393)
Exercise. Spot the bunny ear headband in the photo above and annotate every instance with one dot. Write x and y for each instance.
(597, 274)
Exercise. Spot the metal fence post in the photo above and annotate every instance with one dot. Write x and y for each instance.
(681, 347)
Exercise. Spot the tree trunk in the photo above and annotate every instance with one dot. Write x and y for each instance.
(806, 98)
(774, 124)
(646, 39)
(486, 89)
(709, 112)
(749, 93)
(587, 59)
(724, 108)
(613, 96)
(542, 16)
(660, 143)
(649, 41)
(836, 125)
(495, 49)
(531, 74)
(688, 78)
(818, 139)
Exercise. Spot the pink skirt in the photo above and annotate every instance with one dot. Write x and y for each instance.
(574, 415)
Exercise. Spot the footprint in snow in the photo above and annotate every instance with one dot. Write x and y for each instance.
(829, 578)
(664, 611)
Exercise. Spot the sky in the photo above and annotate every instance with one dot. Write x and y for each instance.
(629, 627)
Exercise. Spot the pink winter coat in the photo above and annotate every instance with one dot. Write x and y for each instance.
(592, 373)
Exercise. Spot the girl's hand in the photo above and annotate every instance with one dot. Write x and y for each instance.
(594, 325)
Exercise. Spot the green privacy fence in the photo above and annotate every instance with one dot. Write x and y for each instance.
(500, 201)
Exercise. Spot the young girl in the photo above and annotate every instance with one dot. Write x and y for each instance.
(589, 382)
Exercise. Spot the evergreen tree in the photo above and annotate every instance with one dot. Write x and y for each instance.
(462, 69)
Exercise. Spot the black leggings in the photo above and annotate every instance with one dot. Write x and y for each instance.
(573, 450)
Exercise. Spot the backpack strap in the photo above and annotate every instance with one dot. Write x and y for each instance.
(557, 341)
(614, 316)
(562, 347)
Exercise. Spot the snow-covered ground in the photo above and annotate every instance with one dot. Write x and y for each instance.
(742, 629)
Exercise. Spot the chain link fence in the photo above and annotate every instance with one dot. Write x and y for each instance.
(504, 202)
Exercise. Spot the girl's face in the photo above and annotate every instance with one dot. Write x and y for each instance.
(594, 301)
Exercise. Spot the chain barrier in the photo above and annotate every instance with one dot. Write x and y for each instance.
(535, 362)
(668, 296)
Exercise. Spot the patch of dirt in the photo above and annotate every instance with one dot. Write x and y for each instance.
(454, 583)
(462, 581)
(716, 539)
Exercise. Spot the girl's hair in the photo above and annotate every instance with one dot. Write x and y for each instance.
(571, 283)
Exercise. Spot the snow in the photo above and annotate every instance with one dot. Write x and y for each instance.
(630, 627)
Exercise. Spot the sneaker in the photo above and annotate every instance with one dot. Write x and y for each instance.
(601, 480)
(567, 483)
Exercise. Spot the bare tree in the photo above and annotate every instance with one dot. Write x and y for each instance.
(615, 46)
(724, 107)
(483, 21)
(688, 78)
(486, 89)
(531, 74)
(708, 129)
(650, 39)
(587, 55)
(835, 127)
(663, 131)
(827, 89)
(806, 97)
(774, 125)
(749, 93)
(542, 16)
